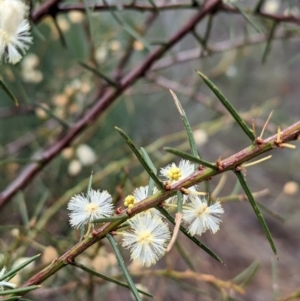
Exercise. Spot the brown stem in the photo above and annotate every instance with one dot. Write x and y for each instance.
(50, 7)
(176, 6)
(289, 134)
(31, 170)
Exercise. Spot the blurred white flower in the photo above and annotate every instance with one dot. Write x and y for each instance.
(49, 254)
(292, 11)
(14, 30)
(4, 283)
(137, 45)
(202, 217)
(147, 238)
(30, 61)
(74, 168)
(67, 153)
(32, 76)
(76, 16)
(17, 279)
(271, 6)
(114, 45)
(231, 71)
(291, 188)
(63, 23)
(29, 73)
(200, 137)
(93, 205)
(28, 268)
(86, 155)
(101, 53)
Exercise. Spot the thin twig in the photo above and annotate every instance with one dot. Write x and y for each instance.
(48, 154)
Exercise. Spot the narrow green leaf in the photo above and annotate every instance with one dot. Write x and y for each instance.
(247, 275)
(258, 6)
(23, 209)
(88, 13)
(150, 171)
(270, 38)
(90, 183)
(187, 125)
(179, 201)
(94, 273)
(208, 30)
(19, 290)
(150, 163)
(8, 92)
(150, 187)
(124, 268)
(272, 213)
(129, 29)
(82, 231)
(248, 18)
(189, 157)
(185, 232)
(236, 188)
(82, 228)
(198, 38)
(99, 73)
(12, 298)
(110, 219)
(261, 219)
(37, 32)
(154, 5)
(185, 256)
(60, 33)
(40, 205)
(18, 84)
(19, 267)
(228, 106)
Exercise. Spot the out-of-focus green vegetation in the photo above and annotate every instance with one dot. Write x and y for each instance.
(51, 76)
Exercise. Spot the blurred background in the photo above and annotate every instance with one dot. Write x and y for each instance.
(80, 54)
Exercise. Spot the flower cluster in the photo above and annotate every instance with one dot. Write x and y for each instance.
(14, 30)
(147, 235)
(201, 217)
(147, 238)
(173, 174)
(86, 208)
(140, 194)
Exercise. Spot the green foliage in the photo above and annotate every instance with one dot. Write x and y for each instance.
(96, 66)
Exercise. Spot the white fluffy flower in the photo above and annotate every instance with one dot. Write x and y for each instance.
(4, 283)
(173, 174)
(141, 193)
(14, 30)
(85, 208)
(147, 238)
(202, 217)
